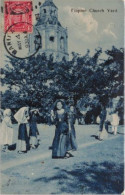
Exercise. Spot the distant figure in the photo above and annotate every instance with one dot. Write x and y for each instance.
(60, 118)
(22, 117)
(1, 115)
(98, 120)
(102, 118)
(108, 119)
(6, 132)
(33, 133)
(115, 122)
(72, 133)
(102, 128)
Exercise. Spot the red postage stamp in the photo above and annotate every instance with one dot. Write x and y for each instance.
(20, 13)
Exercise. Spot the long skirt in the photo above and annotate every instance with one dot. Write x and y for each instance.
(72, 144)
(33, 133)
(6, 135)
(33, 129)
(22, 137)
(59, 147)
(22, 145)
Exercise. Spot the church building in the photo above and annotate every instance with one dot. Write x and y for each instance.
(54, 38)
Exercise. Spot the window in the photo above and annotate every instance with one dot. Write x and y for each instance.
(62, 38)
(51, 39)
(36, 6)
(51, 42)
(62, 42)
(1, 9)
(44, 10)
(63, 58)
(39, 3)
(37, 16)
(38, 41)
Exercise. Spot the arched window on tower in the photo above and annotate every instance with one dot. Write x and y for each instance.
(38, 41)
(62, 43)
(1, 9)
(51, 39)
(64, 59)
(37, 16)
(44, 11)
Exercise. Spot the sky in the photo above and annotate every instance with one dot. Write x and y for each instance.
(90, 30)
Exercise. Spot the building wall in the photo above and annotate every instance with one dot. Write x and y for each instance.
(54, 36)
(54, 41)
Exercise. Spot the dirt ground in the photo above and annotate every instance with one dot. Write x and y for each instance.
(96, 168)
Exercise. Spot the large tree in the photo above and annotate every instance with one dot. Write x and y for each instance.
(38, 81)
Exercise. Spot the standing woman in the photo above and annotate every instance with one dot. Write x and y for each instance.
(60, 118)
(6, 132)
(102, 118)
(72, 133)
(33, 128)
(22, 117)
(102, 126)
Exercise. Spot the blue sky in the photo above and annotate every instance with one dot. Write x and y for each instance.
(90, 30)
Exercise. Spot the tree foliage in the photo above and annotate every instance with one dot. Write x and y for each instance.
(38, 81)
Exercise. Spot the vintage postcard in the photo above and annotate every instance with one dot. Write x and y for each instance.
(62, 97)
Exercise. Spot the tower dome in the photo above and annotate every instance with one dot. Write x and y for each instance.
(48, 3)
(48, 13)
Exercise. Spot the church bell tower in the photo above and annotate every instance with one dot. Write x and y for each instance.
(54, 37)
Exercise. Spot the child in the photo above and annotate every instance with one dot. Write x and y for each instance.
(22, 117)
(115, 122)
(6, 137)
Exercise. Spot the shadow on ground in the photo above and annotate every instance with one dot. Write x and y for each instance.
(95, 136)
(103, 178)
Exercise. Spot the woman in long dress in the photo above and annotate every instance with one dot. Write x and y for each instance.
(103, 134)
(6, 132)
(22, 117)
(60, 118)
(72, 133)
(33, 133)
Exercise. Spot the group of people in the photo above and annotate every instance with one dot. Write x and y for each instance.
(63, 119)
(27, 120)
(105, 118)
